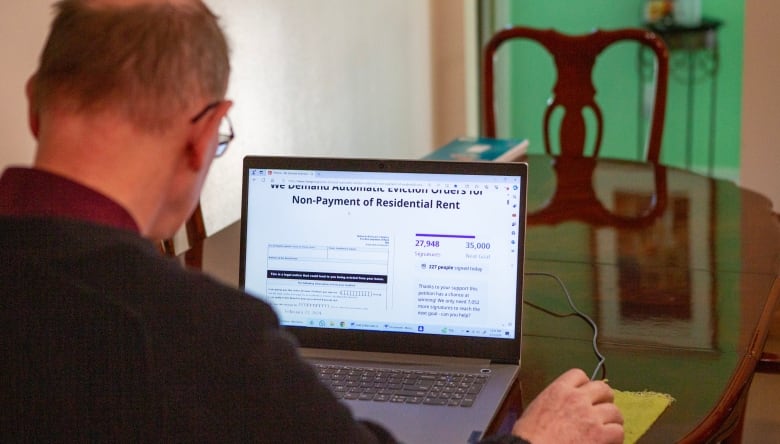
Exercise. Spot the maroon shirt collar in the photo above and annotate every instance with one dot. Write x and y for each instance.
(26, 192)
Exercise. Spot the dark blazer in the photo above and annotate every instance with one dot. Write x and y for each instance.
(104, 339)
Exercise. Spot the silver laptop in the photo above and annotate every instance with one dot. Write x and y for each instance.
(402, 280)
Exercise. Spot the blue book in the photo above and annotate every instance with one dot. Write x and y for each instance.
(481, 149)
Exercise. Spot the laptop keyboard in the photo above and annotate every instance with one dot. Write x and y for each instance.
(402, 386)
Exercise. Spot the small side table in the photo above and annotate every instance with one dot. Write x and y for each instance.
(694, 57)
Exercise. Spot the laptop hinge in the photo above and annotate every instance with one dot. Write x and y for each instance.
(390, 358)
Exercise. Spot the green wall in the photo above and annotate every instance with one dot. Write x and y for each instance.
(715, 117)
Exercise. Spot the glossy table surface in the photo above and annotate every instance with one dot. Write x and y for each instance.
(678, 270)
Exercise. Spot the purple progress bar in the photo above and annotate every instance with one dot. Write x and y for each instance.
(456, 236)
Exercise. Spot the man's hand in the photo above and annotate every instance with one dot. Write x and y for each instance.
(572, 409)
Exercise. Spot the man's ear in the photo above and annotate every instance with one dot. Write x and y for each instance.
(33, 117)
(204, 136)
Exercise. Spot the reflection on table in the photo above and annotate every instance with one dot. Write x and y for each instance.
(677, 269)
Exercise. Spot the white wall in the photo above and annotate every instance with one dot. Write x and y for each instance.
(23, 28)
(310, 77)
(313, 77)
(760, 161)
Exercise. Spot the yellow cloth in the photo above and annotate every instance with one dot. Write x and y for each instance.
(640, 410)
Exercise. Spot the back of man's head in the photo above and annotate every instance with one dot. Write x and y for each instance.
(148, 60)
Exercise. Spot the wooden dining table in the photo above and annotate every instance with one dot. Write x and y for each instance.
(679, 272)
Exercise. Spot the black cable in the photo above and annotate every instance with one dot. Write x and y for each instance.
(578, 313)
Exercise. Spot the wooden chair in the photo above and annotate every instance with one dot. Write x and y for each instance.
(574, 58)
(196, 232)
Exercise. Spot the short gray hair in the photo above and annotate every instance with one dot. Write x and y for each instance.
(149, 61)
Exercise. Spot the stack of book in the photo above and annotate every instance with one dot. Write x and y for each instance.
(481, 149)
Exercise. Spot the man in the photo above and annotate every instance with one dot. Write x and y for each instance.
(103, 339)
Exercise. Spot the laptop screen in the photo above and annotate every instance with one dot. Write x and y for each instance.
(412, 248)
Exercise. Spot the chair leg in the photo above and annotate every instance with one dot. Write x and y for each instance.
(768, 363)
(735, 437)
(196, 233)
(167, 247)
(193, 257)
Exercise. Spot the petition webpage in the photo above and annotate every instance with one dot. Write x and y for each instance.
(418, 253)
